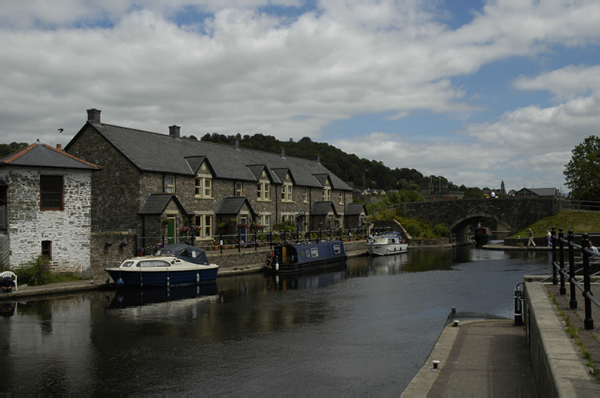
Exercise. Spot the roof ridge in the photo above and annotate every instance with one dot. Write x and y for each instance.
(16, 155)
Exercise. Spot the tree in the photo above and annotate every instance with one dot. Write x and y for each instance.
(583, 170)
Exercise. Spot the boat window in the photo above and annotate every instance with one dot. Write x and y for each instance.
(314, 252)
(336, 249)
(164, 252)
(153, 263)
(127, 264)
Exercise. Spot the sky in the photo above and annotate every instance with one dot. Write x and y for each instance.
(479, 92)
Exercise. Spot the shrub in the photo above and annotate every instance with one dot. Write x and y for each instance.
(440, 231)
(37, 273)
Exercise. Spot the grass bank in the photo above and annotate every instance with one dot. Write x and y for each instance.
(579, 221)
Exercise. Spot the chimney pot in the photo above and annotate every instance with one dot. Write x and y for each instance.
(58, 146)
(93, 115)
(234, 142)
(281, 151)
(317, 158)
(174, 131)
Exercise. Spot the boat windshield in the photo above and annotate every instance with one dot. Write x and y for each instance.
(127, 264)
(381, 240)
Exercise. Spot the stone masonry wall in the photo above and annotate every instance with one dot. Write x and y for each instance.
(68, 230)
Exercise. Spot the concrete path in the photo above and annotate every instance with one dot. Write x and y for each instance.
(477, 359)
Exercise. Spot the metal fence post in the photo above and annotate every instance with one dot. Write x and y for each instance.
(554, 276)
(221, 243)
(561, 246)
(573, 301)
(588, 322)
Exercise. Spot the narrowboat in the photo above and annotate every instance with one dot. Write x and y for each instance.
(172, 265)
(482, 235)
(294, 257)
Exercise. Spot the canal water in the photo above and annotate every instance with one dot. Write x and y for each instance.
(366, 328)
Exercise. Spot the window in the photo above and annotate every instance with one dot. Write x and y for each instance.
(239, 189)
(204, 187)
(51, 192)
(305, 195)
(326, 194)
(47, 249)
(262, 189)
(341, 197)
(286, 192)
(265, 219)
(204, 224)
(170, 184)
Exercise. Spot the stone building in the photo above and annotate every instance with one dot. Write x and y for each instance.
(45, 208)
(163, 184)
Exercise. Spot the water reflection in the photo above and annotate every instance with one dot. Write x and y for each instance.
(365, 328)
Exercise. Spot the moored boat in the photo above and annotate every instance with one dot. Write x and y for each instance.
(294, 257)
(173, 265)
(385, 244)
(482, 234)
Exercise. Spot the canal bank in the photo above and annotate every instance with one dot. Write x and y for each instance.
(497, 357)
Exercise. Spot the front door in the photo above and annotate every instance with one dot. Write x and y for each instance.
(244, 220)
(171, 234)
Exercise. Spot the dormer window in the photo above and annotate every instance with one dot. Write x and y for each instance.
(203, 188)
(286, 192)
(170, 184)
(326, 194)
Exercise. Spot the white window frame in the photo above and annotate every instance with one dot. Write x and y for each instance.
(326, 194)
(239, 189)
(170, 185)
(262, 188)
(286, 192)
(205, 227)
(203, 187)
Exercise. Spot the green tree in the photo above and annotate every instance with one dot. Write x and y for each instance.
(583, 170)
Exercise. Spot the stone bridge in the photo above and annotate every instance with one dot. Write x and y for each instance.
(510, 215)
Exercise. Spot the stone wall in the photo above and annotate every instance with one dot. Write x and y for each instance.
(68, 230)
(512, 214)
(111, 248)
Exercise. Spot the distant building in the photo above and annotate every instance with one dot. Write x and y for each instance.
(537, 193)
(438, 191)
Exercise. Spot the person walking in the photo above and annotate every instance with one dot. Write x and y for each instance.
(549, 236)
(531, 242)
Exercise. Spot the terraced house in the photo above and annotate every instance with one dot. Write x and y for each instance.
(156, 184)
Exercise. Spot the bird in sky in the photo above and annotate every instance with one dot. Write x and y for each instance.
(61, 130)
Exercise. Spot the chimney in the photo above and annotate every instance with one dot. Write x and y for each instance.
(93, 115)
(174, 131)
(58, 146)
(281, 151)
(317, 158)
(234, 142)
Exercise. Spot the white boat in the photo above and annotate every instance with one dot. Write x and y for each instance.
(173, 265)
(388, 243)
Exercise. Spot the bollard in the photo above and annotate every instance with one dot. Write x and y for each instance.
(518, 305)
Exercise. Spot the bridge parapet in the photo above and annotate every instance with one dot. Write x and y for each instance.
(514, 214)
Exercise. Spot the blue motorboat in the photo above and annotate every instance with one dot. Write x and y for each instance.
(172, 265)
(294, 257)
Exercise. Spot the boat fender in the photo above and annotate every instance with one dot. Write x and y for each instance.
(120, 282)
(276, 264)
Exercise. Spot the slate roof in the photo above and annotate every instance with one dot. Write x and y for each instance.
(322, 208)
(42, 155)
(233, 205)
(153, 152)
(158, 202)
(541, 192)
(355, 208)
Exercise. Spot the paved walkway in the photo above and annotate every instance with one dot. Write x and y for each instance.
(482, 358)
(492, 358)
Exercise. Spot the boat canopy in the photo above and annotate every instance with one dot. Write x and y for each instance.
(187, 253)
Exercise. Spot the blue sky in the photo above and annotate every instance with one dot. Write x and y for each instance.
(477, 91)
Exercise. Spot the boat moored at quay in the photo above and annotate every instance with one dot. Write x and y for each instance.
(386, 244)
(173, 265)
(296, 257)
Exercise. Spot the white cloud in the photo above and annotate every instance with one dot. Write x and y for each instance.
(243, 71)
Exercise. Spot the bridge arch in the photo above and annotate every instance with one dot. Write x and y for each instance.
(514, 214)
(470, 219)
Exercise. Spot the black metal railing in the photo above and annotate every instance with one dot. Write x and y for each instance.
(560, 274)
(251, 240)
